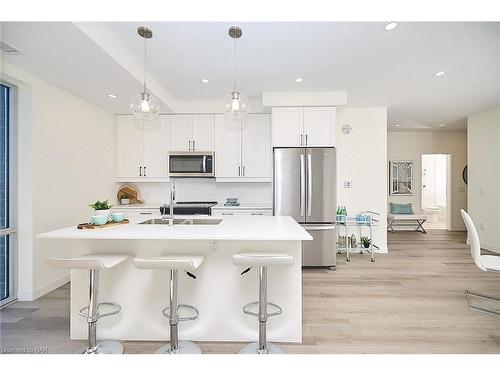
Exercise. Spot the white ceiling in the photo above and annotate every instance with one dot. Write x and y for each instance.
(374, 66)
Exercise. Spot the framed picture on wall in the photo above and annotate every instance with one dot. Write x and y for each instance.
(401, 177)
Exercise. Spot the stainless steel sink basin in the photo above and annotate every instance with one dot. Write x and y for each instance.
(183, 221)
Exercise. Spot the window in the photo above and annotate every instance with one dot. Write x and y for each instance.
(5, 230)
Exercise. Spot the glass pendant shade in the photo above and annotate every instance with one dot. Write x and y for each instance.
(235, 105)
(145, 106)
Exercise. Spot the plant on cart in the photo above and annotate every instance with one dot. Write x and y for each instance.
(366, 242)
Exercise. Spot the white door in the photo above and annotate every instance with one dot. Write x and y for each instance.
(203, 133)
(319, 129)
(129, 138)
(227, 147)
(256, 146)
(156, 148)
(181, 135)
(287, 126)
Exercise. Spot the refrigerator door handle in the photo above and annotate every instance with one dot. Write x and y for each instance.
(302, 185)
(309, 185)
(318, 226)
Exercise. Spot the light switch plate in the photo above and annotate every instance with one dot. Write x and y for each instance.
(348, 184)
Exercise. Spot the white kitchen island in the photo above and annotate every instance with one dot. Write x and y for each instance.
(219, 292)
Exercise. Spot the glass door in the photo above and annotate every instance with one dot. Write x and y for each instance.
(7, 232)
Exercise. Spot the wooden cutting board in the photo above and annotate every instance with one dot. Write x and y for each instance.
(132, 192)
(92, 226)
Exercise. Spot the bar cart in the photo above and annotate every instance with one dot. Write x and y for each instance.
(362, 222)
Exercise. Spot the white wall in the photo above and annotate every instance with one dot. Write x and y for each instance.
(362, 158)
(483, 140)
(66, 161)
(410, 145)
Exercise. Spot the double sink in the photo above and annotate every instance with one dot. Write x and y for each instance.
(183, 221)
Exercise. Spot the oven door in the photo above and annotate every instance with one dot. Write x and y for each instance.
(191, 164)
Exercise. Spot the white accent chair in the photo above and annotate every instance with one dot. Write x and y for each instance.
(174, 263)
(262, 260)
(94, 263)
(483, 262)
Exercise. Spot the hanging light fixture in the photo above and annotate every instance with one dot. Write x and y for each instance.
(235, 103)
(144, 105)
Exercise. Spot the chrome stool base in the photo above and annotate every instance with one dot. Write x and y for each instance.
(253, 348)
(103, 347)
(185, 347)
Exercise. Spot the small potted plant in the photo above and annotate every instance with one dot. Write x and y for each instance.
(101, 208)
(365, 241)
(125, 199)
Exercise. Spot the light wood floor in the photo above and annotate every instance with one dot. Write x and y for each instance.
(409, 301)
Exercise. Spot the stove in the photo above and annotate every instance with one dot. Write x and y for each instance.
(189, 208)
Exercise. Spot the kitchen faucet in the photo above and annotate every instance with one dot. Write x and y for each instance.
(170, 216)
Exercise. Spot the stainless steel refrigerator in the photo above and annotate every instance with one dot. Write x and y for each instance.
(305, 188)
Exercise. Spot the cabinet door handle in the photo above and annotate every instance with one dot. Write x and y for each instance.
(140, 171)
(243, 171)
(146, 213)
(239, 171)
(227, 213)
(301, 139)
(189, 146)
(144, 171)
(194, 145)
(256, 213)
(306, 139)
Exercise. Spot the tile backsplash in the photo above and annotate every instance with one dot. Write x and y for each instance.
(206, 189)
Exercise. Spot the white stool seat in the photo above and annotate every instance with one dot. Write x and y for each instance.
(263, 259)
(88, 261)
(171, 262)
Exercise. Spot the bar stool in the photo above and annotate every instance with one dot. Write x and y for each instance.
(262, 260)
(174, 263)
(94, 263)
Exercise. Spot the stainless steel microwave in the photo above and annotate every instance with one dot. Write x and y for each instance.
(191, 164)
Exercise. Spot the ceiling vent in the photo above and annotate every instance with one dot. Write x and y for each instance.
(8, 49)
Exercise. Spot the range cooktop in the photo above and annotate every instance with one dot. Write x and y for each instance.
(190, 208)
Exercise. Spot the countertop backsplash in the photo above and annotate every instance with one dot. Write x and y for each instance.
(206, 189)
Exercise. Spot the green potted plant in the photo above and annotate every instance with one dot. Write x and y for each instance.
(101, 208)
(365, 241)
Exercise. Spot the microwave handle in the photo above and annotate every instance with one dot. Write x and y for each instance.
(204, 164)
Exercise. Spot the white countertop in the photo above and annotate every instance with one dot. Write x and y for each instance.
(243, 228)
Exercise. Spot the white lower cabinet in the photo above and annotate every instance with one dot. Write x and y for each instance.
(141, 149)
(221, 212)
(138, 214)
(243, 149)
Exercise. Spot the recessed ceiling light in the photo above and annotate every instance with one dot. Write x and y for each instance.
(391, 26)
(397, 125)
(298, 79)
(439, 74)
(112, 96)
(442, 125)
(204, 80)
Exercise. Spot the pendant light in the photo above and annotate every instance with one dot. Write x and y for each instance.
(144, 105)
(235, 103)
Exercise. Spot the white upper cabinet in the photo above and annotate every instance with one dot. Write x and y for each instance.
(288, 126)
(256, 146)
(243, 149)
(142, 150)
(203, 133)
(319, 129)
(191, 132)
(227, 147)
(156, 149)
(180, 133)
(303, 126)
(129, 146)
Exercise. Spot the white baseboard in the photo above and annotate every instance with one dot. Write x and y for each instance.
(488, 247)
(31, 295)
